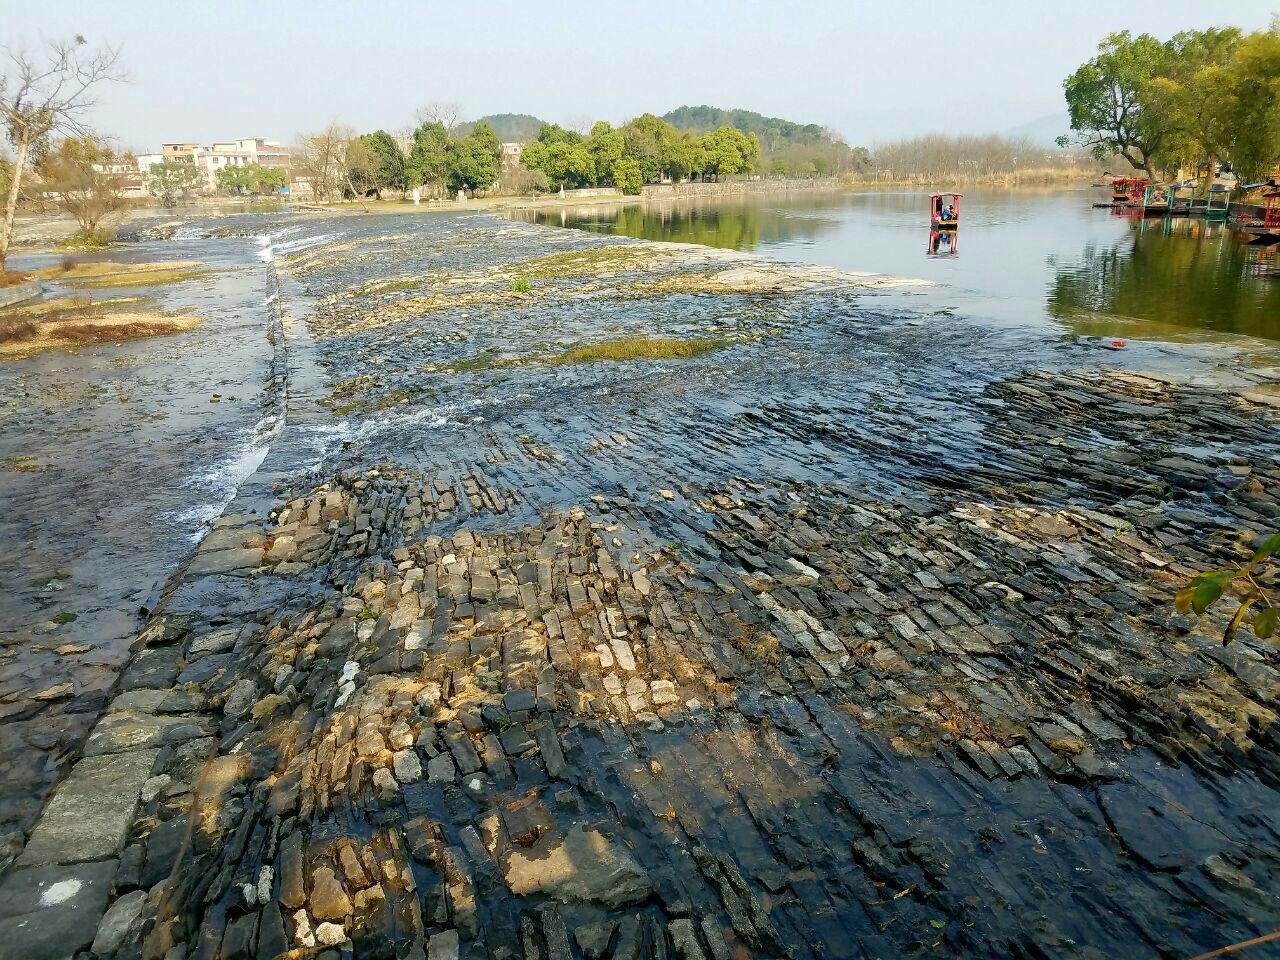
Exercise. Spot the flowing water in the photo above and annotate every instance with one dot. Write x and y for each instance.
(1039, 257)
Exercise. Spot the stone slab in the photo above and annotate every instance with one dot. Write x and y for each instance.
(89, 815)
(50, 913)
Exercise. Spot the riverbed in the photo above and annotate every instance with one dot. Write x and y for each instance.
(638, 596)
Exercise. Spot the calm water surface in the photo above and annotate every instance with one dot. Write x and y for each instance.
(1038, 257)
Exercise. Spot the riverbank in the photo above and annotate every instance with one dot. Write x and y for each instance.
(851, 635)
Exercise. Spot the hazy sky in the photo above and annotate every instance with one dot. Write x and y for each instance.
(204, 71)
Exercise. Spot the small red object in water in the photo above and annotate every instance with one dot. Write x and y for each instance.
(275, 486)
(1118, 343)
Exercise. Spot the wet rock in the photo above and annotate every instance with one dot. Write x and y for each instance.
(443, 946)
(594, 938)
(50, 913)
(293, 892)
(582, 866)
(119, 922)
(91, 812)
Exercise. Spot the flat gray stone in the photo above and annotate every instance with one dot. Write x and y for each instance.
(235, 561)
(50, 913)
(127, 731)
(90, 813)
(115, 925)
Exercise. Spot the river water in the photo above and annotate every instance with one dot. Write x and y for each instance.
(1040, 257)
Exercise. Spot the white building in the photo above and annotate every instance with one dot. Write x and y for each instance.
(240, 153)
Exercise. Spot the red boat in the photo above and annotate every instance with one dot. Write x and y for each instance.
(944, 216)
(1267, 229)
(1128, 191)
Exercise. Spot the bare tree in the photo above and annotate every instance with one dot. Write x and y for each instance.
(580, 123)
(321, 158)
(446, 112)
(44, 93)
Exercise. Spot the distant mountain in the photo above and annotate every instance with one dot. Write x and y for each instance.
(510, 127)
(1044, 130)
(772, 131)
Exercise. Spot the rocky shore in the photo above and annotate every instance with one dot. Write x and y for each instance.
(809, 646)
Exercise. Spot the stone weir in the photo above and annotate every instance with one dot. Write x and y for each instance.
(399, 712)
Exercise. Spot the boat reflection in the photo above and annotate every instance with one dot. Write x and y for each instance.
(943, 243)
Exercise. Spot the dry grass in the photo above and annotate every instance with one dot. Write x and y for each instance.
(11, 278)
(70, 322)
(103, 274)
(642, 348)
(143, 278)
(73, 270)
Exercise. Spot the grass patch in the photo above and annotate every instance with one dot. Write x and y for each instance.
(11, 278)
(78, 321)
(88, 240)
(585, 263)
(69, 269)
(520, 285)
(387, 286)
(642, 348)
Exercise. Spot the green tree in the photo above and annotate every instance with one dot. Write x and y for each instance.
(475, 161)
(569, 164)
(170, 181)
(554, 133)
(1106, 99)
(651, 142)
(429, 157)
(383, 165)
(729, 151)
(1249, 91)
(606, 147)
(250, 178)
(627, 176)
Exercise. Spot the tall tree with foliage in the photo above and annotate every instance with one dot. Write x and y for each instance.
(605, 145)
(169, 182)
(429, 156)
(475, 160)
(1106, 99)
(387, 168)
(728, 151)
(1250, 98)
(249, 178)
(562, 156)
(43, 94)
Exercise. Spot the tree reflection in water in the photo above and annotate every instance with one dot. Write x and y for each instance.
(1183, 275)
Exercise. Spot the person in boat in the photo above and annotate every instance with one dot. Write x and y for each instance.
(947, 213)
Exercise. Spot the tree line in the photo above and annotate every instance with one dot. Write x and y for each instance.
(647, 149)
(1202, 96)
(338, 163)
(787, 148)
(938, 156)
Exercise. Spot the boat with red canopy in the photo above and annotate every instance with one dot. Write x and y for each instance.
(944, 210)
